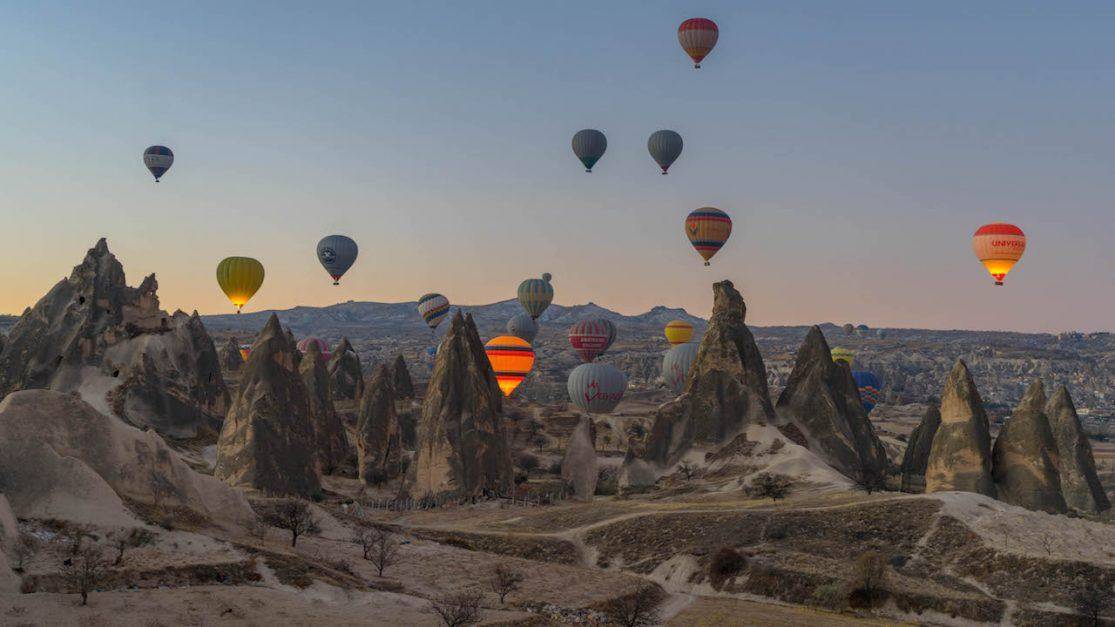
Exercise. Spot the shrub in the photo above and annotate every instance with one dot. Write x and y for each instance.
(607, 482)
(555, 468)
(831, 596)
(135, 538)
(527, 462)
(457, 609)
(767, 485)
(869, 576)
(726, 564)
(1093, 601)
(639, 609)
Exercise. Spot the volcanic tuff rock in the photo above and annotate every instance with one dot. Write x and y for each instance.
(960, 456)
(231, 360)
(916, 459)
(268, 438)
(329, 432)
(1024, 460)
(345, 374)
(1079, 483)
(461, 445)
(822, 400)
(93, 334)
(63, 459)
(378, 443)
(579, 466)
(404, 386)
(726, 389)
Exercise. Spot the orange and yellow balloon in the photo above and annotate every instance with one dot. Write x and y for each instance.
(707, 229)
(240, 278)
(511, 358)
(999, 246)
(678, 332)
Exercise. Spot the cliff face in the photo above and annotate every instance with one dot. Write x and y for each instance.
(1025, 460)
(378, 436)
(346, 378)
(915, 461)
(1079, 482)
(960, 455)
(331, 444)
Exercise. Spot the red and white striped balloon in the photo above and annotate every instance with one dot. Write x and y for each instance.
(590, 338)
(698, 37)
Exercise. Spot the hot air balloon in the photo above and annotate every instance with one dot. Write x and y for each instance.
(433, 308)
(322, 347)
(849, 328)
(511, 358)
(590, 338)
(245, 350)
(678, 332)
(158, 160)
(336, 253)
(999, 246)
(589, 145)
(676, 364)
(707, 229)
(596, 388)
(869, 388)
(535, 295)
(843, 354)
(665, 147)
(523, 326)
(697, 37)
(240, 278)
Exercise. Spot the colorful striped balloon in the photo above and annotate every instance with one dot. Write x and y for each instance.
(596, 388)
(158, 160)
(678, 332)
(676, 365)
(708, 228)
(999, 246)
(245, 350)
(590, 338)
(869, 388)
(698, 37)
(511, 358)
(433, 308)
(843, 354)
(535, 295)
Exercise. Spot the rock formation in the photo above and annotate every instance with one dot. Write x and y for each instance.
(345, 375)
(332, 447)
(63, 459)
(378, 442)
(1025, 461)
(726, 389)
(462, 448)
(231, 360)
(404, 386)
(960, 456)
(268, 438)
(821, 399)
(111, 343)
(1079, 483)
(579, 467)
(916, 459)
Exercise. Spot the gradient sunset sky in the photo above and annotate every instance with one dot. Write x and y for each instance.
(857, 145)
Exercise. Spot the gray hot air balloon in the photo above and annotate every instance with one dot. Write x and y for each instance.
(676, 365)
(665, 148)
(523, 326)
(336, 253)
(596, 388)
(589, 145)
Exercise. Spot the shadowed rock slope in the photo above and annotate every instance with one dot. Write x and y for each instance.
(345, 375)
(231, 360)
(960, 457)
(579, 467)
(404, 385)
(331, 449)
(378, 437)
(915, 461)
(1025, 461)
(1080, 484)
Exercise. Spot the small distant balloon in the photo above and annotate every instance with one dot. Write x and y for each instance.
(708, 228)
(999, 246)
(678, 332)
(665, 147)
(158, 160)
(843, 354)
(535, 295)
(849, 328)
(869, 388)
(433, 308)
(523, 326)
(511, 359)
(698, 37)
(590, 338)
(676, 365)
(336, 253)
(240, 278)
(596, 388)
(245, 350)
(589, 145)
(322, 347)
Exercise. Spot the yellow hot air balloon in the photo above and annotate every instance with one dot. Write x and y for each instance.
(843, 354)
(511, 358)
(678, 332)
(240, 278)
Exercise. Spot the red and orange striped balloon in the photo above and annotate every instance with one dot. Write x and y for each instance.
(511, 358)
(707, 229)
(697, 37)
(999, 246)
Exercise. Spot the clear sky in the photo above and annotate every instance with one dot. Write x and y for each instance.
(857, 146)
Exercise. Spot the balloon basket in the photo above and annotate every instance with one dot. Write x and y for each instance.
(707, 264)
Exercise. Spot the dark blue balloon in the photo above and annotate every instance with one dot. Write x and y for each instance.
(869, 388)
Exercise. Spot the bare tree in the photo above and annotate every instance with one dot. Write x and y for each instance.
(295, 516)
(85, 569)
(638, 609)
(124, 540)
(1093, 601)
(505, 580)
(767, 485)
(457, 609)
(381, 548)
(870, 574)
(73, 536)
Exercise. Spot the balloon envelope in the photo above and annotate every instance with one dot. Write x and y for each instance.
(591, 337)
(245, 350)
(535, 295)
(676, 364)
(433, 308)
(869, 388)
(158, 160)
(336, 253)
(665, 147)
(708, 228)
(678, 332)
(698, 37)
(521, 325)
(596, 388)
(843, 354)
(999, 246)
(322, 347)
(589, 145)
(240, 278)
(511, 358)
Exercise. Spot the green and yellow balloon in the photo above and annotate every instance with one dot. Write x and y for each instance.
(240, 278)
